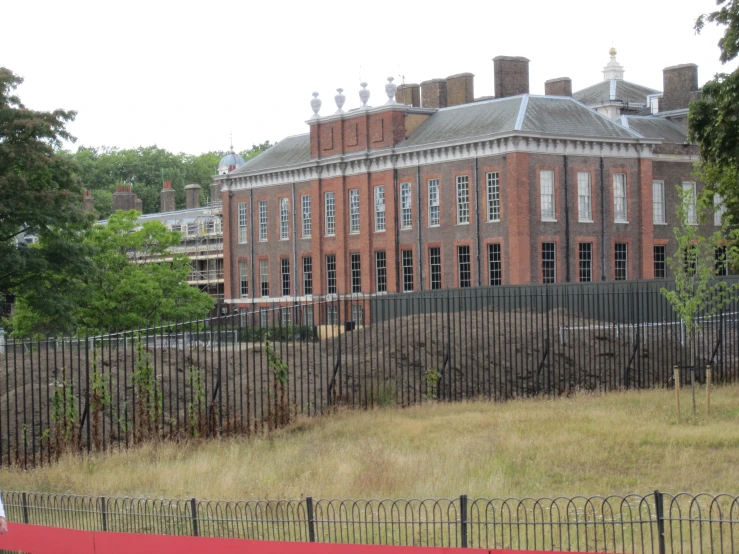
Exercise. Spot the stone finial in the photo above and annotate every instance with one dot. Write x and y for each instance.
(390, 89)
(316, 105)
(340, 99)
(364, 95)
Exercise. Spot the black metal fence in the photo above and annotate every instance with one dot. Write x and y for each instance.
(258, 369)
(658, 522)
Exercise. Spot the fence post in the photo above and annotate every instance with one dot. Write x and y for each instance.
(463, 520)
(659, 507)
(104, 513)
(311, 520)
(194, 512)
(25, 508)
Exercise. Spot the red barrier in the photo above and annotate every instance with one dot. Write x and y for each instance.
(34, 539)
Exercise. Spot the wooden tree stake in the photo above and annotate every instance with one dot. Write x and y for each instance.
(708, 391)
(677, 391)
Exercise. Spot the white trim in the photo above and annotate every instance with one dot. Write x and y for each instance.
(522, 112)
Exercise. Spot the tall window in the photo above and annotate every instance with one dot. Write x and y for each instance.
(262, 220)
(305, 201)
(434, 217)
(358, 313)
(586, 262)
(546, 186)
(622, 261)
(495, 267)
(584, 199)
(718, 209)
(354, 211)
(331, 274)
(284, 227)
(264, 277)
(690, 206)
(619, 198)
(381, 268)
(242, 222)
(493, 195)
(660, 265)
(465, 267)
(285, 273)
(380, 208)
(463, 199)
(435, 266)
(332, 314)
(330, 210)
(407, 265)
(307, 276)
(406, 215)
(658, 201)
(244, 279)
(356, 267)
(720, 255)
(548, 262)
(264, 317)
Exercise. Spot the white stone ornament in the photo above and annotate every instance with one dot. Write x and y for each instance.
(364, 95)
(316, 105)
(390, 89)
(340, 99)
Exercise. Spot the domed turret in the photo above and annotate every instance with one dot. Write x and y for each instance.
(229, 162)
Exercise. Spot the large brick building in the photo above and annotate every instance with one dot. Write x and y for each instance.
(441, 190)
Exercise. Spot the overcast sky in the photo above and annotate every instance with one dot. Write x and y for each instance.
(184, 75)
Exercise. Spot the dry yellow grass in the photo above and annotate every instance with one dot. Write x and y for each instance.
(587, 444)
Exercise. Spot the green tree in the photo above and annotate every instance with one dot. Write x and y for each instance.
(127, 283)
(39, 194)
(713, 119)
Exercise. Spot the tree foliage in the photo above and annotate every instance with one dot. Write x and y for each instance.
(714, 118)
(131, 280)
(39, 194)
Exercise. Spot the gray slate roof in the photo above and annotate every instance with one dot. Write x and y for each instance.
(656, 128)
(625, 91)
(557, 115)
(289, 151)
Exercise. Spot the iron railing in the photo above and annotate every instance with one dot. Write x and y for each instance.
(218, 377)
(655, 523)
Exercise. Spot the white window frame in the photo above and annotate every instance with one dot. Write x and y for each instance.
(719, 209)
(692, 207)
(492, 179)
(285, 265)
(263, 277)
(262, 220)
(434, 204)
(406, 206)
(330, 211)
(546, 195)
(620, 200)
(463, 200)
(243, 279)
(379, 208)
(305, 203)
(658, 202)
(353, 211)
(625, 260)
(584, 197)
(382, 288)
(242, 222)
(284, 218)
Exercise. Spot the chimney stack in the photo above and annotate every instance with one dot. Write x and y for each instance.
(215, 192)
(460, 89)
(511, 76)
(87, 202)
(192, 196)
(561, 86)
(166, 198)
(123, 198)
(138, 204)
(433, 93)
(680, 83)
(409, 94)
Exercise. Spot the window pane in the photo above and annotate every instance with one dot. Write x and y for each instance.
(659, 261)
(284, 207)
(354, 211)
(356, 268)
(435, 265)
(495, 264)
(380, 208)
(264, 277)
(584, 205)
(381, 267)
(307, 275)
(463, 200)
(621, 261)
(719, 208)
(493, 196)
(465, 268)
(720, 254)
(586, 262)
(242, 222)
(548, 263)
(331, 274)
(330, 214)
(406, 214)
(244, 279)
(619, 197)
(692, 214)
(658, 201)
(407, 263)
(434, 214)
(546, 185)
(306, 216)
(262, 220)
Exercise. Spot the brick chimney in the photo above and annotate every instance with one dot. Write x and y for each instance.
(123, 198)
(680, 83)
(215, 192)
(433, 93)
(561, 86)
(87, 202)
(138, 204)
(166, 198)
(511, 76)
(409, 94)
(192, 196)
(460, 89)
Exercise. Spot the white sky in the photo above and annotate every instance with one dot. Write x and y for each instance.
(184, 75)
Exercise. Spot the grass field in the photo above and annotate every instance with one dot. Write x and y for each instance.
(587, 444)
